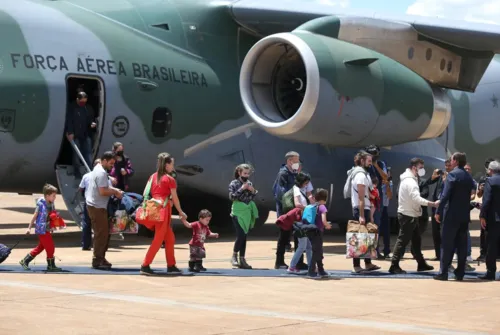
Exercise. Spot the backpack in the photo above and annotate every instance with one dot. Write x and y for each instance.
(287, 201)
(348, 183)
(309, 214)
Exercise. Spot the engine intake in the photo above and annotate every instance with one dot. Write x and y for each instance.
(318, 89)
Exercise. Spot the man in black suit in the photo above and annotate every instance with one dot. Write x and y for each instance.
(455, 211)
(490, 218)
(480, 191)
(436, 195)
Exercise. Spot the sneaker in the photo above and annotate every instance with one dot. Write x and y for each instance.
(173, 269)
(146, 270)
(293, 270)
(469, 259)
(323, 274)
(312, 275)
(469, 268)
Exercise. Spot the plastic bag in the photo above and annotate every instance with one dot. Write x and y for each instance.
(122, 223)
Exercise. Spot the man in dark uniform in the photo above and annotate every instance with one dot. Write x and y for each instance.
(80, 123)
(454, 208)
(436, 227)
(483, 246)
(490, 218)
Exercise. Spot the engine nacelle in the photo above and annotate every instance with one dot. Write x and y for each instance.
(313, 88)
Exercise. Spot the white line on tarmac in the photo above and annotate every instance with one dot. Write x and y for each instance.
(383, 326)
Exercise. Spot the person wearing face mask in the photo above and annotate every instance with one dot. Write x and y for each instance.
(80, 124)
(454, 213)
(284, 182)
(122, 170)
(409, 211)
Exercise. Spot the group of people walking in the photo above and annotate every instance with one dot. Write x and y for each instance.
(293, 191)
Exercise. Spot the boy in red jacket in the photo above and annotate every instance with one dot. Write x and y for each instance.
(197, 243)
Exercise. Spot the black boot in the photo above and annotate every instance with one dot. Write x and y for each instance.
(488, 276)
(322, 273)
(200, 266)
(51, 265)
(423, 266)
(280, 262)
(244, 264)
(395, 269)
(234, 260)
(26, 261)
(191, 266)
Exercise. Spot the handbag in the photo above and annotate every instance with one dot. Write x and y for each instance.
(152, 211)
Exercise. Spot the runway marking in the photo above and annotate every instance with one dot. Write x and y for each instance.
(383, 326)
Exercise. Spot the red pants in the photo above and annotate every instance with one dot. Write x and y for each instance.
(163, 232)
(45, 243)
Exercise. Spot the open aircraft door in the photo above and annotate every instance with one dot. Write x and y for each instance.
(68, 186)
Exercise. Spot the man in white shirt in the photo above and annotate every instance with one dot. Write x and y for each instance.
(361, 184)
(409, 210)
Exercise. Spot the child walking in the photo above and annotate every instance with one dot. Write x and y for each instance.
(316, 236)
(41, 220)
(197, 244)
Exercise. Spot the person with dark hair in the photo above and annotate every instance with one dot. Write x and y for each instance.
(300, 201)
(197, 244)
(163, 189)
(454, 208)
(378, 170)
(436, 195)
(315, 236)
(122, 171)
(359, 185)
(490, 218)
(97, 196)
(243, 212)
(409, 210)
(483, 246)
(80, 124)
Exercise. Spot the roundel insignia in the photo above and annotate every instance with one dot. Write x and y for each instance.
(120, 126)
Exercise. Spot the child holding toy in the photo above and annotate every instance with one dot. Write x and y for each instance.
(197, 243)
(41, 219)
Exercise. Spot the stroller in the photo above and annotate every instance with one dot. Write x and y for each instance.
(5, 251)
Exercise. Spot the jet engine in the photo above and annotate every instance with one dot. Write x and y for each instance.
(313, 88)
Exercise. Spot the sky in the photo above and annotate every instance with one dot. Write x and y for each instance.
(484, 11)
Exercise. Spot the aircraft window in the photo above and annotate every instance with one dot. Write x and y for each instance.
(443, 64)
(411, 51)
(428, 54)
(163, 26)
(162, 122)
(450, 66)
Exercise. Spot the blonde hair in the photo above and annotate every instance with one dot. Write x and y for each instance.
(240, 168)
(49, 189)
(164, 158)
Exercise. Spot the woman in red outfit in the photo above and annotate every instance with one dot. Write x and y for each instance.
(163, 187)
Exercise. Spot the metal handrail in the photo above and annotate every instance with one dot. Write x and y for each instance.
(75, 149)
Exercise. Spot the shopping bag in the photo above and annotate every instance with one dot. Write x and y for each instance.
(361, 245)
(151, 211)
(132, 227)
(119, 222)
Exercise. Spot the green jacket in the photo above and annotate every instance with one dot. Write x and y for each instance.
(246, 214)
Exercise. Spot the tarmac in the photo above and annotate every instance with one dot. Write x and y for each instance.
(225, 300)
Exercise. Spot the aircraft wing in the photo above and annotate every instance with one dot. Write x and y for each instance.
(469, 45)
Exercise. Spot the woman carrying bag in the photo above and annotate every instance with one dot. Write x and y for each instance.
(157, 212)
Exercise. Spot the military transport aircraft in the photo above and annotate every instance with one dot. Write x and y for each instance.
(219, 83)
